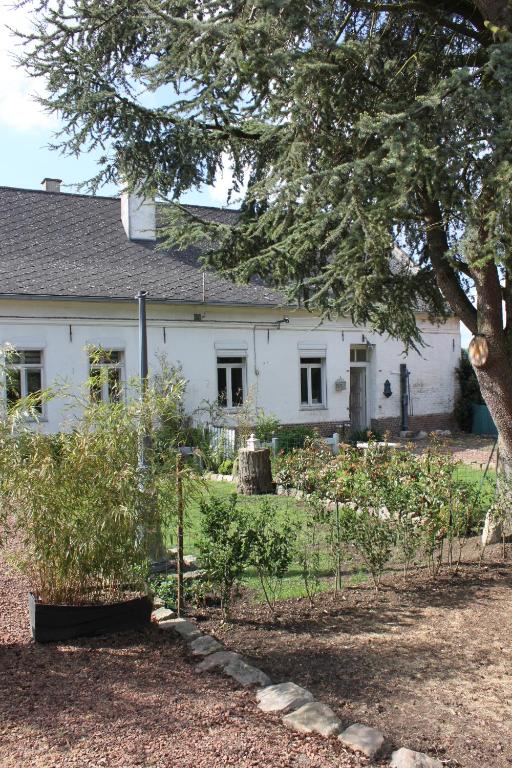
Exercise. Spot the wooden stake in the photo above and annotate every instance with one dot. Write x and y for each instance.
(179, 555)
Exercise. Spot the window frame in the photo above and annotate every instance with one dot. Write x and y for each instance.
(24, 368)
(103, 365)
(228, 367)
(305, 363)
(355, 348)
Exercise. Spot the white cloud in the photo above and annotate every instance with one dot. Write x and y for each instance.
(18, 108)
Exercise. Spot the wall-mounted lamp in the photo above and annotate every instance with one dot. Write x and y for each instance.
(387, 388)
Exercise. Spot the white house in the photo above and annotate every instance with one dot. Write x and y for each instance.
(72, 264)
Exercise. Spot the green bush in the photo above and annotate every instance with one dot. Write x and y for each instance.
(85, 519)
(291, 438)
(224, 545)
(271, 548)
(267, 426)
(365, 436)
(226, 468)
(166, 588)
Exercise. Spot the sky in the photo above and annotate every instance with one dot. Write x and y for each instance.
(26, 133)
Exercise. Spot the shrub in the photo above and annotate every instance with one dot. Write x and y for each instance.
(301, 467)
(78, 508)
(224, 545)
(226, 467)
(291, 438)
(365, 436)
(267, 426)
(271, 547)
(86, 518)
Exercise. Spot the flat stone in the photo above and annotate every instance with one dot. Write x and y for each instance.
(162, 614)
(197, 574)
(205, 645)
(184, 628)
(362, 738)
(284, 698)
(217, 660)
(406, 758)
(314, 717)
(158, 603)
(246, 674)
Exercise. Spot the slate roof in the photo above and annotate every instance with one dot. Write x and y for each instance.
(56, 244)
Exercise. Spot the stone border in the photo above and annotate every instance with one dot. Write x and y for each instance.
(219, 478)
(297, 706)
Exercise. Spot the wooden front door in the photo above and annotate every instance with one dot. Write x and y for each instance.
(358, 417)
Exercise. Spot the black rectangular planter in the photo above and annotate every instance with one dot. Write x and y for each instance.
(50, 623)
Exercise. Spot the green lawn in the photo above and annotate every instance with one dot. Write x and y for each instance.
(484, 482)
(293, 585)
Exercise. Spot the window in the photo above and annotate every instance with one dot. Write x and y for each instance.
(106, 376)
(24, 376)
(359, 354)
(312, 381)
(230, 381)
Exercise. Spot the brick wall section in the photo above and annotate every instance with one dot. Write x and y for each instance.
(428, 423)
(325, 428)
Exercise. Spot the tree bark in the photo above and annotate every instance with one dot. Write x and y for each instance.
(254, 472)
(486, 319)
(495, 377)
(498, 12)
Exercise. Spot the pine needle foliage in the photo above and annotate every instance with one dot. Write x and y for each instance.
(359, 124)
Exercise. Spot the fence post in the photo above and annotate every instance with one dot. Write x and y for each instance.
(336, 443)
(275, 446)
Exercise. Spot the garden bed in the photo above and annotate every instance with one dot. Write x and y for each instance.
(130, 700)
(428, 663)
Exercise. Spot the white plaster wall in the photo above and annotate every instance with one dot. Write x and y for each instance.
(63, 329)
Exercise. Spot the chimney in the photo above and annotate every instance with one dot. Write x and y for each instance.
(138, 215)
(51, 185)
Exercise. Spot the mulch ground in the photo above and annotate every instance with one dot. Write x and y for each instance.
(430, 663)
(131, 700)
(466, 448)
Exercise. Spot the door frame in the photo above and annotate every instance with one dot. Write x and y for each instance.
(365, 367)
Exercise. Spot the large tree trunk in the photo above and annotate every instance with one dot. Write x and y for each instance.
(254, 472)
(495, 378)
(498, 12)
(486, 319)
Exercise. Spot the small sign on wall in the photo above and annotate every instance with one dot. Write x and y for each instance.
(340, 385)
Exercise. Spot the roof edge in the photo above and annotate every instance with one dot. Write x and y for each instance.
(119, 299)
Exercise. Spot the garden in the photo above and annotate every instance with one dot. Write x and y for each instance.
(361, 578)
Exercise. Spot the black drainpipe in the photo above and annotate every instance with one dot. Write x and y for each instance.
(404, 398)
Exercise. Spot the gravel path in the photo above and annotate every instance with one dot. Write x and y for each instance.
(131, 700)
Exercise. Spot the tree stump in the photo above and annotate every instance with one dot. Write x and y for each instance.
(254, 472)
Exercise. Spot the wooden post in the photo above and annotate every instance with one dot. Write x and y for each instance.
(179, 555)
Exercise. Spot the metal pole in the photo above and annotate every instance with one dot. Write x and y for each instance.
(153, 533)
(404, 399)
(143, 374)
